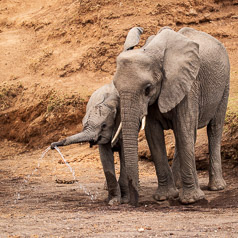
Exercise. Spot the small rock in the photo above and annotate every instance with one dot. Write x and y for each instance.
(193, 12)
(141, 229)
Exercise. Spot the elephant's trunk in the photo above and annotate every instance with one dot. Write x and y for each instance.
(130, 126)
(84, 136)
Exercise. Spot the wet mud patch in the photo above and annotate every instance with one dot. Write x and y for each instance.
(44, 197)
(226, 199)
(51, 196)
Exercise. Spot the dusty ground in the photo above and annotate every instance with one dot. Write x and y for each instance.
(53, 55)
(46, 205)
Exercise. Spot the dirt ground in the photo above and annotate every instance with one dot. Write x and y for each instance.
(53, 55)
(48, 204)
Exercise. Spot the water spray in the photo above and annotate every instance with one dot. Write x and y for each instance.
(93, 197)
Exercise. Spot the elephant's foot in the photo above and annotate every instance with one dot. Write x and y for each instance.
(105, 187)
(125, 199)
(125, 195)
(163, 193)
(188, 196)
(216, 184)
(113, 201)
(178, 182)
(114, 195)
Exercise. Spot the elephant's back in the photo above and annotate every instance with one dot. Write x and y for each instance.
(214, 74)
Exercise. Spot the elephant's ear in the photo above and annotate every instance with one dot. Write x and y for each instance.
(133, 38)
(112, 101)
(180, 65)
(96, 98)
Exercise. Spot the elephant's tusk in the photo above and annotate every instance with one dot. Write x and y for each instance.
(117, 134)
(143, 123)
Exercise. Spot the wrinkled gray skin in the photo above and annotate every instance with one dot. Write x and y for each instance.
(180, 80)
(99, 126)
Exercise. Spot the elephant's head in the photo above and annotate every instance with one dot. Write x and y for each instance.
(163, 72)
(99, 121)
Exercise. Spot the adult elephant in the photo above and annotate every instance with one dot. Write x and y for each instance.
(100, 122)
(180, 80)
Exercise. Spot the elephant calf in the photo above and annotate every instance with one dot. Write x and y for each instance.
(99, 127)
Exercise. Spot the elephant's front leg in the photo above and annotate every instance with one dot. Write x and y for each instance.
(107, 159)
(155, 137)
(185, 135)
(176, 169)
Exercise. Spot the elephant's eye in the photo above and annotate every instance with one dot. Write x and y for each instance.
(147, 89)
(104, 125)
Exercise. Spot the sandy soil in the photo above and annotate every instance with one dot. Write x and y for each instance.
(53, 55)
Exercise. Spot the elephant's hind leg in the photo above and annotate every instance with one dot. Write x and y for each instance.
(216, 181)
(214, 132)
(155, 137)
